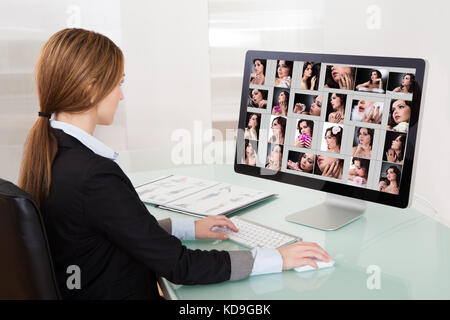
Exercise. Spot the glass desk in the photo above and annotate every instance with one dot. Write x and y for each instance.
(389, 253)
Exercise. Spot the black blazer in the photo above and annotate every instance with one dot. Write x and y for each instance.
(96, 221)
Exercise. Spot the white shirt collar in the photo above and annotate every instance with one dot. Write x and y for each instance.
(85, 138)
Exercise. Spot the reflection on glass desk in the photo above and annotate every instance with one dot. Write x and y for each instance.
(389, 253)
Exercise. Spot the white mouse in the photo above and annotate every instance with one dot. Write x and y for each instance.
(320, 265)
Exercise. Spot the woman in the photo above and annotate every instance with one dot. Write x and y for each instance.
(250, 154)
(359, 171)
(284, 73)
(395, 153)
(278, 130)
(367, 111)
(407, 85)
(399, 116)
(365, 140)
(340, 77)
(275, 157)
(393, 177)
(258, 77)
(329, 167)
(337, 102)
(314, 109)
(252, 129)
(305, 130)
(93, 216)
(375, 84)
(258, 99)
(283, 100)
(333, 138)
(305, 163)
(308, 79)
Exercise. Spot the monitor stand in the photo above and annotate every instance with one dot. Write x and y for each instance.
(334, 213)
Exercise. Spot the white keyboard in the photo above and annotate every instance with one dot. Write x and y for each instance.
(254, 235)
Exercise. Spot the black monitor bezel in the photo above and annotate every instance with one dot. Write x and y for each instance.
(402, 199)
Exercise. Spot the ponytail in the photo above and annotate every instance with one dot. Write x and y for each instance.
(40, 150)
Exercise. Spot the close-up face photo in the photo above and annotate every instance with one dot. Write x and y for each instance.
(324, 161)
(336, 101)
(276, 126)
(259, 67)
(316, 107)
(307, 162)
(406, 81)
(330, 140)
(397, 143)
(364, 137)
(305, 128)
(391, 175)
(283, 69)
(276, 155)
(253, 121)
(364, 104)
(282, 98)
(256, 96)
(359, 170)
(374, 76)
(308, 71)
(339, 72)
(249, 149)
(401, 112)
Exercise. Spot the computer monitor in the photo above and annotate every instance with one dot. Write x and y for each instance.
(343, 124)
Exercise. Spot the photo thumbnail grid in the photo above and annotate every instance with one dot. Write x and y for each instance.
(341, 123)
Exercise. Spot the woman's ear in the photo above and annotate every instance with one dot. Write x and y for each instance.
(89, 91)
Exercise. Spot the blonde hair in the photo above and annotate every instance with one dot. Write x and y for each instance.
(76, 70)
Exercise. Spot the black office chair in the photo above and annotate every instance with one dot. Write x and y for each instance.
(26, 269)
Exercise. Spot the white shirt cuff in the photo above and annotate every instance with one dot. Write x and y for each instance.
(266, 261)
(183, 229)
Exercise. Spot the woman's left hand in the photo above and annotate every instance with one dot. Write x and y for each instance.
(203, 227)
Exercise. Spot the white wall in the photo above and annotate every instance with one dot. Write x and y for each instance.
(167, 69)
(166, 64)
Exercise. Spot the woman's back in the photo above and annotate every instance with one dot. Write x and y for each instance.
(107, 272)
(96, 221)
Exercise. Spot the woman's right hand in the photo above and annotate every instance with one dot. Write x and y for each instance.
(359, 150)
(292, 165)
(374, 116)
(299, 108)
(332, 170)
(302, 253)
(346, 81)
(299, 142)
(307, 143)
(391, 155)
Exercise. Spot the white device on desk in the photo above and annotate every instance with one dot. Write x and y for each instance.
(320, 265)
(254, 235)
(311, 148)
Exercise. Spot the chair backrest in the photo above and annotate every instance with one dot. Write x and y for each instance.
(26, 269)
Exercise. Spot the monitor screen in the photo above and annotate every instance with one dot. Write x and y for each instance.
(340, 124)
